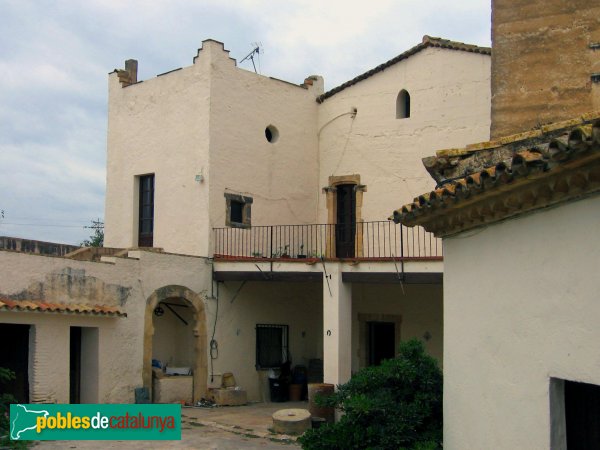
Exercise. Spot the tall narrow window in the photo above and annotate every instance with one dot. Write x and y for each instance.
(146, 227)
(403, 105)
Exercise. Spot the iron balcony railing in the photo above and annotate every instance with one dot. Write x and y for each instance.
(362, 240)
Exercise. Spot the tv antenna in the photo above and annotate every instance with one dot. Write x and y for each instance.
(250, 56)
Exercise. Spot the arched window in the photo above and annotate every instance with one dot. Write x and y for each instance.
(403, 105)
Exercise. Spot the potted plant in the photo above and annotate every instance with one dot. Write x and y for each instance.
(301, 253)
(285, 252)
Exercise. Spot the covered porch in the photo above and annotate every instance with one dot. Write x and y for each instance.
(386, 290)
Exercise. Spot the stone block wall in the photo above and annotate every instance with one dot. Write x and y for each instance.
(543, 62)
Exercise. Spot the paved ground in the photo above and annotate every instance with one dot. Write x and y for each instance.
(227, 428)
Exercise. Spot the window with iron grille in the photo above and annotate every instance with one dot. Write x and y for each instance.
(271, 345)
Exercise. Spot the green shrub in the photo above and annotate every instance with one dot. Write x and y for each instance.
(5, 401)
(397, 405)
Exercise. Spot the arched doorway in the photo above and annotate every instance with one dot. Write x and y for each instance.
(178, 295)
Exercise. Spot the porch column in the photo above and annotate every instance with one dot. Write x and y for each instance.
(337, 325)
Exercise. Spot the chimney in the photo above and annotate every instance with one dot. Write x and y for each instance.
(129, 75)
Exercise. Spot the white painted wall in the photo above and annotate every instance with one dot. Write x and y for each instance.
(160, 126)
(520, 306)
(280, 176)
(450, 107)
(90, 369)
(298, 305)
(209, 119)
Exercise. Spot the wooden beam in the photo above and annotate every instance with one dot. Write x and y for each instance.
(267, 276)
(393, 277)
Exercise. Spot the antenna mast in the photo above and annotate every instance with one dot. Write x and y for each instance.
(250, 56)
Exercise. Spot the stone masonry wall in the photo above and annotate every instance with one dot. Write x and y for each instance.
(543, 60)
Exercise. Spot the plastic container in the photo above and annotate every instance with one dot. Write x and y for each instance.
(295, 392)
(278, 390)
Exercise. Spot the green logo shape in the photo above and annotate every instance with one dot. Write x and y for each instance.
(95, 422)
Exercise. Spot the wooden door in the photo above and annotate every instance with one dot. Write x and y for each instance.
(346, 221)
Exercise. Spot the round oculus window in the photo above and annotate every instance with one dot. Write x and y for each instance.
(272, 134)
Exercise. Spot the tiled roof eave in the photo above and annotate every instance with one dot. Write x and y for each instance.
(428, 41)
(522, 193)
(39, 306)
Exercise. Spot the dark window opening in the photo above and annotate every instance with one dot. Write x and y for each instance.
(381, 342)
(75, 365)
(582, 415)
(346, 220)
(271, 345)
(403, 105)
(237, 210)
(14, 355)
(146, 213)
(272, 134)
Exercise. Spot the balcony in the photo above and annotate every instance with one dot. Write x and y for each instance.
(363, 241)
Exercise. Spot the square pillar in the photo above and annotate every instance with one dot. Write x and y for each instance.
(337, 326)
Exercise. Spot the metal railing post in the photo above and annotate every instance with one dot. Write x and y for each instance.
(401, 242)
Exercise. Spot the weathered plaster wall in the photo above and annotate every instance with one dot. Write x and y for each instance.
(160, 126)
(298, 305)
(120, 340)
(450, 107)
(419, 307)
(280, 176)
(542, 62)
(520, 306)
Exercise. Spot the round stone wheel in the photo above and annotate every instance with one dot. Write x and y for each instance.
(291, 421)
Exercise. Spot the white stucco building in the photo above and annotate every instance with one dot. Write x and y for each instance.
(261, 206)
(521, 253)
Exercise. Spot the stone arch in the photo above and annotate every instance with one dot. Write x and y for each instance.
(200, 347)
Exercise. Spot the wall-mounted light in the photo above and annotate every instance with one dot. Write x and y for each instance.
(158, 311)
(199, 177)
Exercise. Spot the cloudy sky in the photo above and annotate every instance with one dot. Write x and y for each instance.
(55, 57)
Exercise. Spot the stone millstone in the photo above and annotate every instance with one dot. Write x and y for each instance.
(291, 421)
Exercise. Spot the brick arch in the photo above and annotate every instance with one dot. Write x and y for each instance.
(200, 348)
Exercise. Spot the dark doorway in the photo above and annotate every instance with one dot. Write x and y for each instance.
(14, 355)
(75, 366)
(146, 213)
(346, 220)
(582, 414)
(381, 342)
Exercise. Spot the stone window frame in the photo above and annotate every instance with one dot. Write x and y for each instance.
(246, 210)
(330, 192)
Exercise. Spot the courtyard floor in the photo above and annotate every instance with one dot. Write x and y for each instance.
(227, 427)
